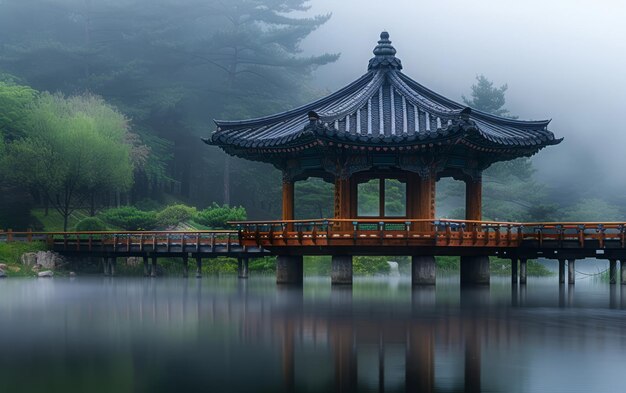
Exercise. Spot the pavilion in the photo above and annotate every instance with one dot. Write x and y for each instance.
(388, 129)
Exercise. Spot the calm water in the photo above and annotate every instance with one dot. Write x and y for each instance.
(226, 335)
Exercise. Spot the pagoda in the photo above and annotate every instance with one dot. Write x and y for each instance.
(385, 126)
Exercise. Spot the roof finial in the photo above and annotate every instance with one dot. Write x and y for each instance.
(385, 54)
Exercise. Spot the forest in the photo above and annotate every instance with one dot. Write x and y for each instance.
(103, 104)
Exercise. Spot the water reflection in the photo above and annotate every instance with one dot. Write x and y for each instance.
(225, 334)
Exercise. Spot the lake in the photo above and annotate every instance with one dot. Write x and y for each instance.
(222, 334)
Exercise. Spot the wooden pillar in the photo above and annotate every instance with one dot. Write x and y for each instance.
(288, 206)
(474, 201)
(421, 199)
(343, 199)
(571, 270)
(612, 271)
(561, 271)
(522, 271)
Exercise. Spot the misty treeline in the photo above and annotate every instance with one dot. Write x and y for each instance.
(104, 103)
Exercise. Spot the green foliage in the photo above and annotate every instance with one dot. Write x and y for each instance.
(314, 198)
(448, 263)
(130, 218)
(15, 101)
(592, 209)
(11, 253)
(367, 265)
(73, 149)
(503, 267)
(218, 216)
(91, 224)
(262, 265)
(175, 214)
(317, 265)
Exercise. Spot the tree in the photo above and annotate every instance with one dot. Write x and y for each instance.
(73, 148)
(509, 189)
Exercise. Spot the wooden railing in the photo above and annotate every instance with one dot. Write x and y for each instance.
(361, 232)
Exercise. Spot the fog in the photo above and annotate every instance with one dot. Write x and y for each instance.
(562, 60)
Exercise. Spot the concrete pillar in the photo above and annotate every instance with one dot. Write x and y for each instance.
(522, 271)
(423, 270)
(474, 270)
(514, 271)
(612, 271)
(623, 271)
(561, 271)
(146, 267)
(198, 267)
(243, 267)
(341, 270)
(153, 272)
(289, 269)
(185, 265)
(571, 270)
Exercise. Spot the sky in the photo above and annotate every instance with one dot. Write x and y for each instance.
(563, 60)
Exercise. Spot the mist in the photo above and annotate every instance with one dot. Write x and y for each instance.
(562, 60)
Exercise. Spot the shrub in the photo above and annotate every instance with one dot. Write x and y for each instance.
(91, 224)
(175, 214)
(217, 216)
(366, 265)
(130, 218)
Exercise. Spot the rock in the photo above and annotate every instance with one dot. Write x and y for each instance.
(3, 266)
(46, 273)
(49, 259)
(36, 268)
(29, 259)
(134, 261)
(72, 274)
(2, 274)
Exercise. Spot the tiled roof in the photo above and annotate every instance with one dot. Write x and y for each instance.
(383, 107)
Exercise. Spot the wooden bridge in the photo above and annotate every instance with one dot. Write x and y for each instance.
(292, 239)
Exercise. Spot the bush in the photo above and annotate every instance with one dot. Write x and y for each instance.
(217, 216)
(362, 265)
(91, 224)
(130, 218)
(175, 214)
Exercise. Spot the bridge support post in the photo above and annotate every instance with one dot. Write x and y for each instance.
(198, 267)
(289, 269)
(514, 270)
(243, 267)
(185, 265)
(622, 268)
(571, 270)
(341, 270)
(474, 270)
(153, 272)
(105, 265)
(112, 262)
(612, 271)
(522, 270)
(561, 271)
(146, 266)
(423, 270)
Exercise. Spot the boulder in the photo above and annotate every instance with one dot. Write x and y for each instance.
(49, 259)
(46, 273)
(36, 268)
(134, 261)
(29, 259)
(3, 266)
(2, 274)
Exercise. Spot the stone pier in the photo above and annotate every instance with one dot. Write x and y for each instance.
(198, 267)
(186, 265)
(561, 271)
(341, 270)
(622, 267)
(289, 269)
(423, 270)
(612, 271)
(514, 270)
(522, 270)
(475, 270)
(571, 270)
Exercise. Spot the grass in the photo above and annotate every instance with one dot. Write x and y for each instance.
(10, 254)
